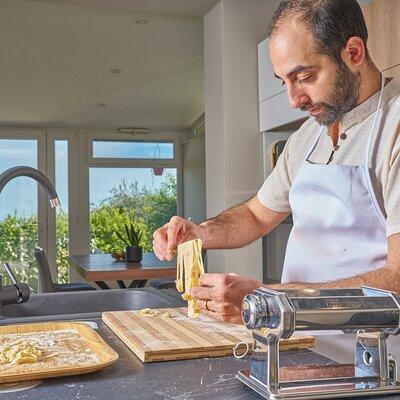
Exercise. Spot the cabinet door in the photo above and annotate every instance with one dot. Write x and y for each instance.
(268, 84)
(275, 112)
(382, 18)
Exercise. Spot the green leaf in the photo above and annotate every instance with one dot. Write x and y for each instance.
(139, 236)
(122, 238)
(135, 236)
(132, 234)
(128, 235)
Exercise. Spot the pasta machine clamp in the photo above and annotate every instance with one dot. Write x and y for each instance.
(372, 314)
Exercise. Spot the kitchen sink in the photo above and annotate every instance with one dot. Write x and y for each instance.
(85, 304)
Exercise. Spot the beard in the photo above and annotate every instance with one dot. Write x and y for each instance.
(343, 97)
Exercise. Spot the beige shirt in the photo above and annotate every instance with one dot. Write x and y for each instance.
(356, 124)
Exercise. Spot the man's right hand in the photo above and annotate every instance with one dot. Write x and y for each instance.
(177, 230)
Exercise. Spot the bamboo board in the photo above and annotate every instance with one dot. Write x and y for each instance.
(104, 352)
(164, 339)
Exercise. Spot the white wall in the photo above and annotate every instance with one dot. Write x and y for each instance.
(232, 31)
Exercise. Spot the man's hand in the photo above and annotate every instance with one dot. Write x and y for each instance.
(220, 296)
(177, 230)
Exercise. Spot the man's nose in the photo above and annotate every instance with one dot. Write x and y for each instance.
(297, 97)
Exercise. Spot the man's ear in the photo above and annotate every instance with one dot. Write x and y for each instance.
(354, 53)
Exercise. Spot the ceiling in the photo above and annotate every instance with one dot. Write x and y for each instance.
(192, 8)
(56, 62)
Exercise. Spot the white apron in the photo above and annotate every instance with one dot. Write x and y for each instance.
(338, 229)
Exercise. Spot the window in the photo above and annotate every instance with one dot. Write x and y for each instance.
(131, 180)
(115, 181)
(19, 212)
(121, 195)
(132, 149)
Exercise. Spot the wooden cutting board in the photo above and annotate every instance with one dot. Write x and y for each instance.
(161, 339)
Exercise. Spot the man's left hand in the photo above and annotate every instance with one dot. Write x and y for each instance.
(220, 295)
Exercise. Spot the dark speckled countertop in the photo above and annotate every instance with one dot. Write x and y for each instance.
(129, 378)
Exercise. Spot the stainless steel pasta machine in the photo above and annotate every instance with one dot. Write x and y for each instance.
(372, 314)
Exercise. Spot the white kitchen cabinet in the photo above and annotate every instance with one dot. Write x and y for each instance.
(268, 84)
(276, 111)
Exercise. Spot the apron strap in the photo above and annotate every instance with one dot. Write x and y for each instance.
(377, 113)
(366, 161)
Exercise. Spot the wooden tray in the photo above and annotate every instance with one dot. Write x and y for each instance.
(105, 353)
(179, 338)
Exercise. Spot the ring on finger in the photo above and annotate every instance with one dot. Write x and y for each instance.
(206, 305)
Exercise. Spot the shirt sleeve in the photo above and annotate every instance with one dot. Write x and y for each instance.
(392, 191)
(274, 193)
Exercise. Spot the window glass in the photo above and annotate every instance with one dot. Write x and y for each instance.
(19, 212)
(132, 149)
(147, 197)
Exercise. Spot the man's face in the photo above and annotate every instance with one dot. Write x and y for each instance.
(314, 81)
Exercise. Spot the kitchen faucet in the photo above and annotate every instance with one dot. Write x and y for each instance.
(35, 174)
(20, 292)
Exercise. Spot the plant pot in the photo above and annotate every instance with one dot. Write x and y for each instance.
(158, 171)
(134, 254)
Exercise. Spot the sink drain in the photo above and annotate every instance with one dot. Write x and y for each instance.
(18, 386)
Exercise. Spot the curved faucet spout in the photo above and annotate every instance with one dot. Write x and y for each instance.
(35, 174)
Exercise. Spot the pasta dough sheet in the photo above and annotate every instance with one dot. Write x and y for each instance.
(38, 351)
(189, 268)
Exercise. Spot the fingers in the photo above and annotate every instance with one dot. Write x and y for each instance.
(215, 302)
(166, 238)
(215, 306)
(202, 293)
(159, 251)
(176, 226)
(211, 279)
(160, 242)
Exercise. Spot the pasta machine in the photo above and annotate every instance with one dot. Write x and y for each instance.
(371, 314)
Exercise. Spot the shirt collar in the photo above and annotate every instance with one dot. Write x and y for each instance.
(369, 106)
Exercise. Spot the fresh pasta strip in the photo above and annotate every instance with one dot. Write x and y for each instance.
(189, 268)
(20, 352)
(148, 312)
(44, 350)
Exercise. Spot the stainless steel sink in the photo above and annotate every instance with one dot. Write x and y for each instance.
(89, 304)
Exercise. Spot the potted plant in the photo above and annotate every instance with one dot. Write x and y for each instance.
(158, 171)
(132, 239)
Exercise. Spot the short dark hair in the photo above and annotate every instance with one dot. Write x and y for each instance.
(331, 22)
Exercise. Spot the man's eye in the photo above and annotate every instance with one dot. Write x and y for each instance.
(305, 79)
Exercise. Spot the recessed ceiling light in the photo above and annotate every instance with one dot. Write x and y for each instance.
(101, 105)
(142, 21)
(115, 71)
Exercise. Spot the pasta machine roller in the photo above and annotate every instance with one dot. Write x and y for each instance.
(371, 314)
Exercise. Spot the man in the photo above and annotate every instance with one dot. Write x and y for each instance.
(338, 174)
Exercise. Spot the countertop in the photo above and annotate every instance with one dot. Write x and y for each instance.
(129, 378)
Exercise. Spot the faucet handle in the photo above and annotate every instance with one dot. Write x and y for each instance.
(10, 273)
(15, 293)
